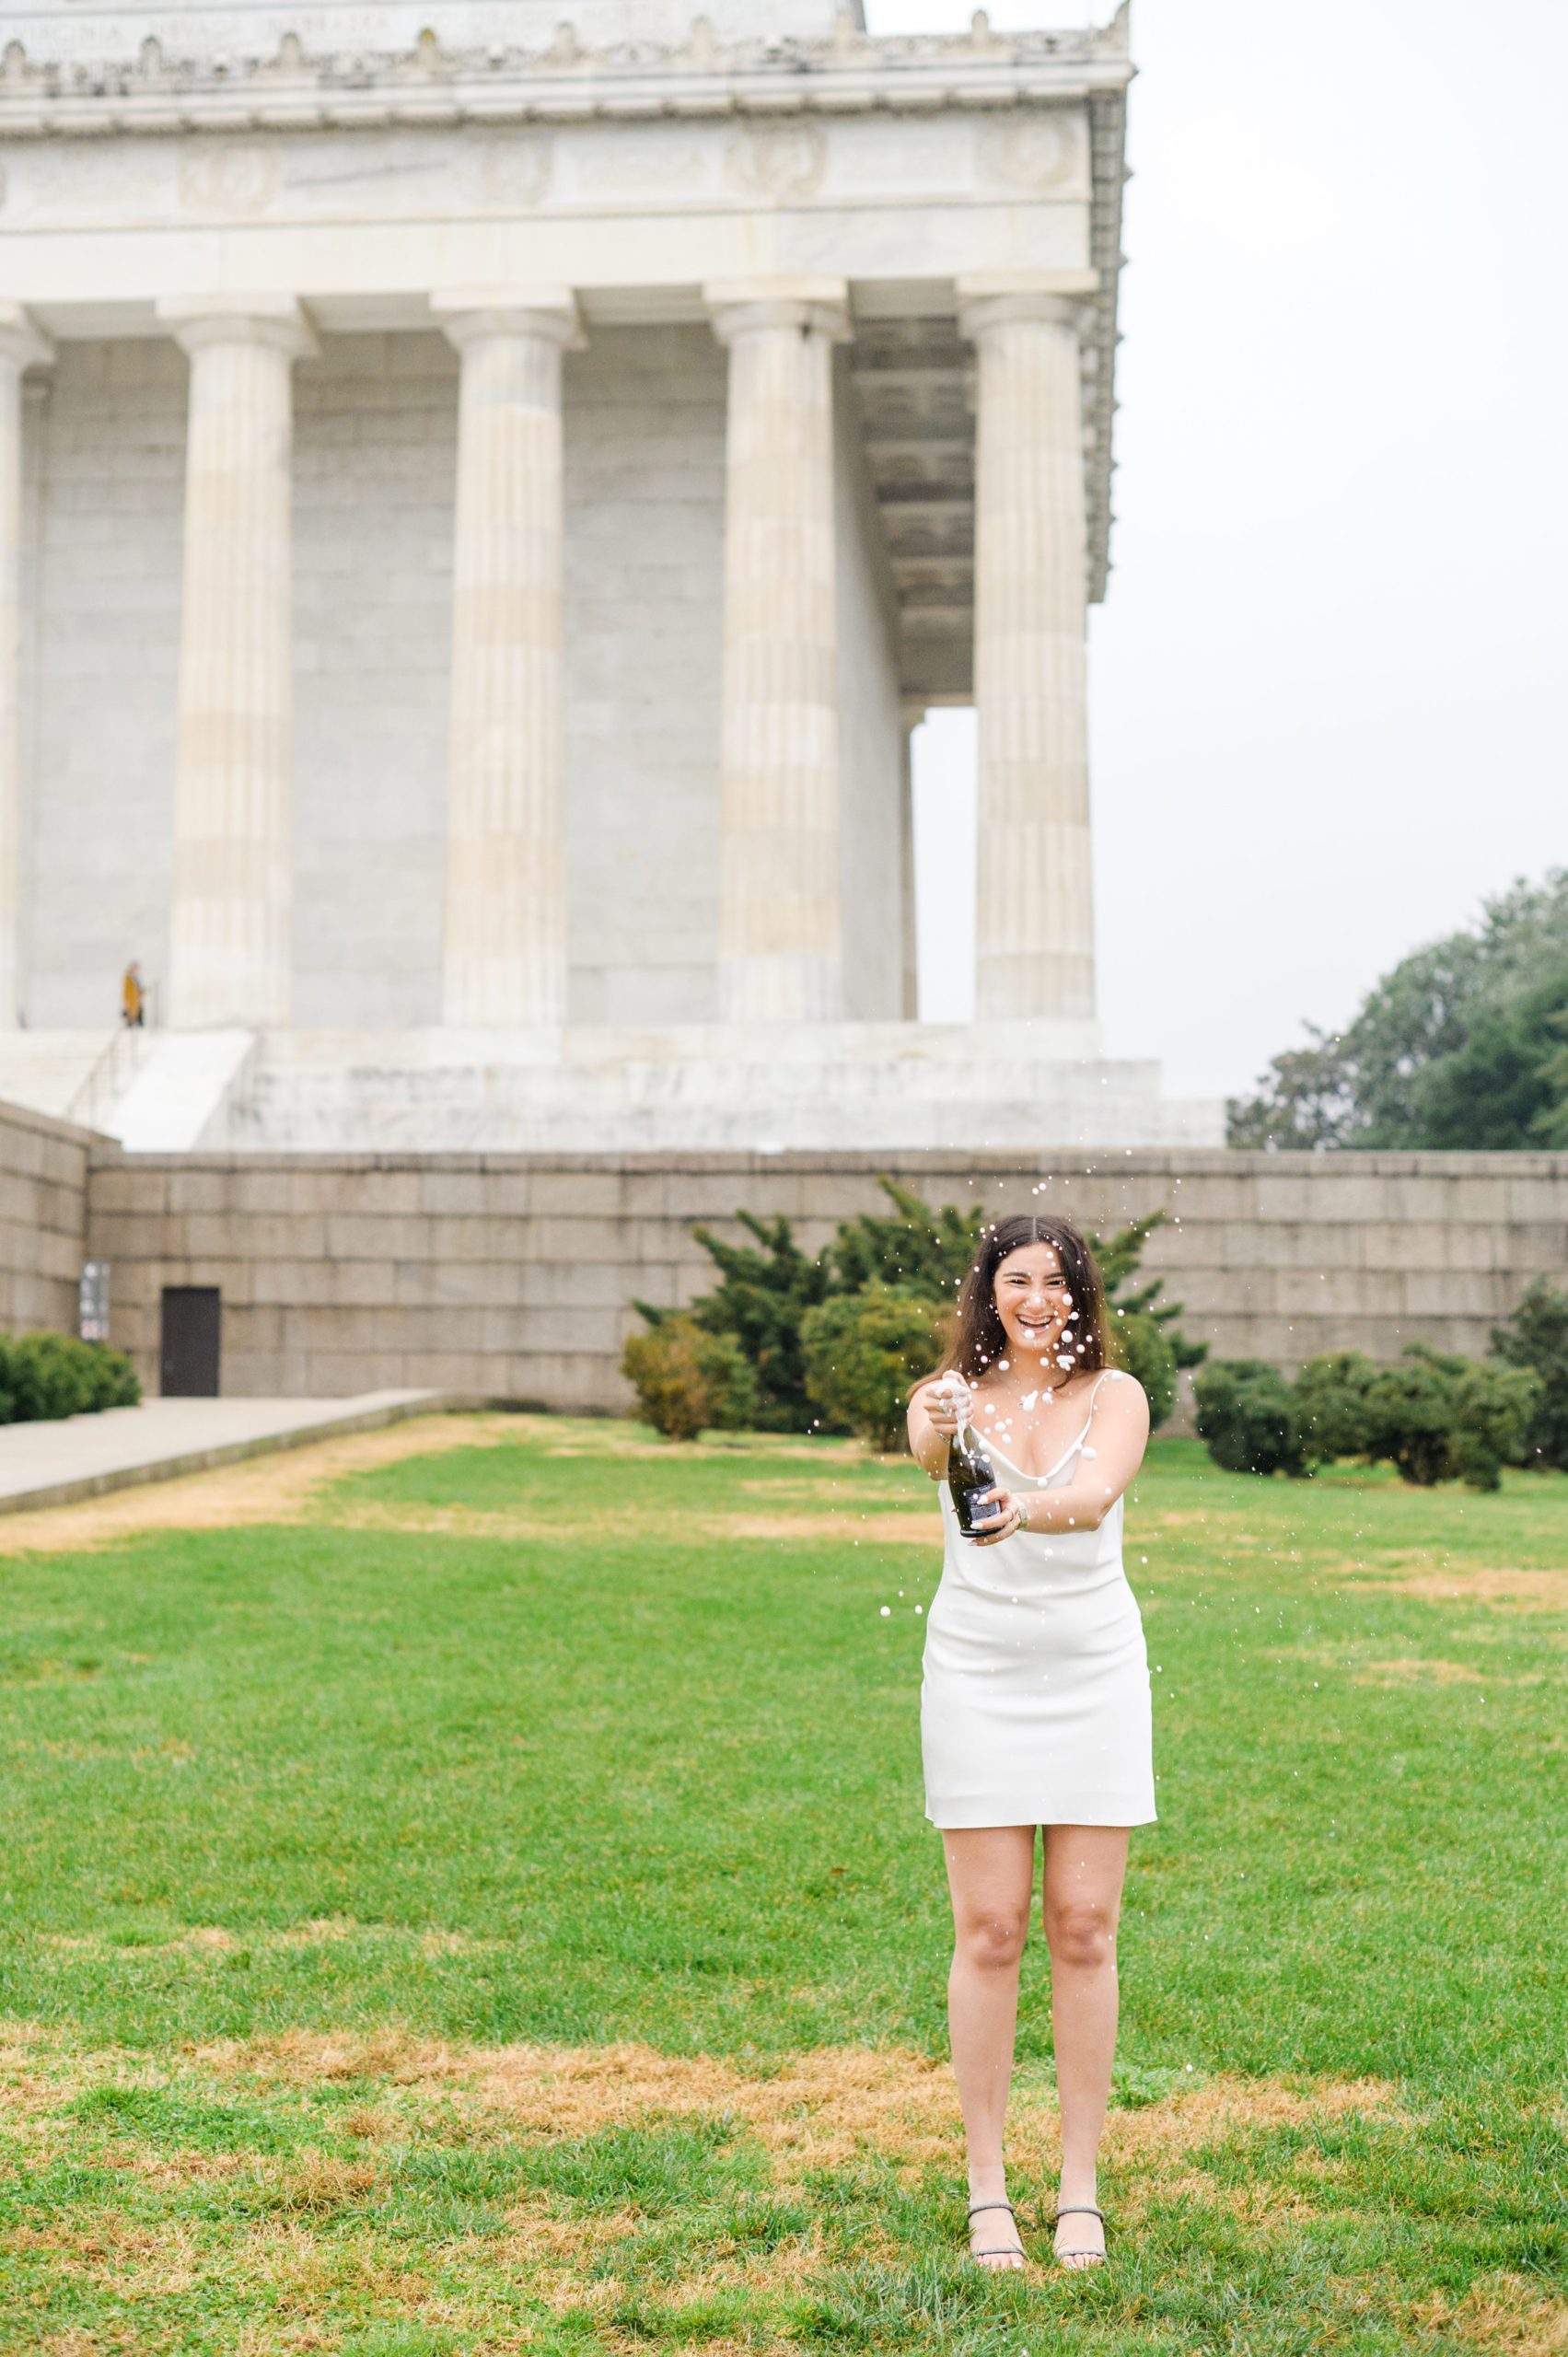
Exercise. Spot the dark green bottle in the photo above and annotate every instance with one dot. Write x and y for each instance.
(970, 1474)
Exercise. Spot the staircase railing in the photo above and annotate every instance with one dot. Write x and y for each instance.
(110, 1076)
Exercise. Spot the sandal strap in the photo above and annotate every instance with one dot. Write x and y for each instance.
(992, 2205)
(1079, 2209)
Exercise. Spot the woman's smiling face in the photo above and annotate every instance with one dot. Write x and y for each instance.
(1034, 1304)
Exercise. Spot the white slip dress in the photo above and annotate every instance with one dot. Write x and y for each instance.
(1035, 1705)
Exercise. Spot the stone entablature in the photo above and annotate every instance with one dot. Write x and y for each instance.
(898, 163)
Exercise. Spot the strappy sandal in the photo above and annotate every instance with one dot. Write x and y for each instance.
(1004, 2250)
(1078, 2210)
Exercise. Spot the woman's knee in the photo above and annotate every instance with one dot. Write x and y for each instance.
(994, 1940)
(1080, 1933)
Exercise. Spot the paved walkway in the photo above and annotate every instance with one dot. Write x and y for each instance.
(80, 1456)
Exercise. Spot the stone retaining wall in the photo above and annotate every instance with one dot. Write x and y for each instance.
(513, 1276)
(44, 1215)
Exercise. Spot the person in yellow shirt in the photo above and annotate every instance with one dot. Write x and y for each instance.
(132, 997)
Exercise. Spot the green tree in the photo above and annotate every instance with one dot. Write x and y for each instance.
(1368, 1086)
(1535, 1338)
(1503, 1087)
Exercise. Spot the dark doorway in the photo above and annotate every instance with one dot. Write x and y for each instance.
(188, 1352)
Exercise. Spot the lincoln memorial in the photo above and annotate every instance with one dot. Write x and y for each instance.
(484, 502)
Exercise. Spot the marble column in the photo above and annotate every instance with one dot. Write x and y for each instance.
(231, 906)
(506, 923)
(780, 946)
(22, 345)
(1034, 951)
(911, 717)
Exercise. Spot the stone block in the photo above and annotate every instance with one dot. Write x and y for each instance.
(1339, 1292)
(123, 1236)
(577, 1194)
(565, 1240)
(234, 1280)
(264, 1193)
(326, 1187)
(1479, 1198)
(200, 1191)
(507, 1191)
(1461, 1294)
(569, 1331)
(497, 1242)
(456, 1284)
(1541, 1200)
(457, 1193)
(364, 1235)
(23, 1202)
(1540, 1247)
(114, 1187)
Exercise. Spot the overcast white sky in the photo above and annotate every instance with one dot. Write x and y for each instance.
(1330, 691)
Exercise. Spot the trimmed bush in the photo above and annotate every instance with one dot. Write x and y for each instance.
(46, 1375)
(1535, 1338)
(687, 1381)
(1331, 1405)
(862, 1353)
(1247, 1416)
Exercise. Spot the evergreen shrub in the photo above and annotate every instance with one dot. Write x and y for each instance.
(45, 1375)
(1433, 1415)
(864, 1354)
(1248, 1418)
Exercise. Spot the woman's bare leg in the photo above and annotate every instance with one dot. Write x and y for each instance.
(1085, 1866)
(991, 1876)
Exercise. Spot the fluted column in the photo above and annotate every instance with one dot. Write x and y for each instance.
(780, 946)
(506, 928)
(1034, 951)
(229, 916)
(910, 715)
(22, 345)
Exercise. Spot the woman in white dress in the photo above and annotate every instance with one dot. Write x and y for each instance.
(1035, 1708)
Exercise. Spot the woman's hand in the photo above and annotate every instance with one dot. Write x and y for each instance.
(948, 1403)
(1003, 1517)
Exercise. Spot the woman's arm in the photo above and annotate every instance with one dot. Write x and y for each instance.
(1118, 1435)
(936, 1413)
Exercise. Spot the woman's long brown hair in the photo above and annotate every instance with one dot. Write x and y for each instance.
(980, 1339)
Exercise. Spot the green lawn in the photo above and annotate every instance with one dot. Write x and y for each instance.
(494, 1909)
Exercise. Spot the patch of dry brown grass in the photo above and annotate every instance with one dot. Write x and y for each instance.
(275, 1487)
(1502, 2315)
(823, 2108)
(819, 2109)
(1519, 1591)
(1411, 1672)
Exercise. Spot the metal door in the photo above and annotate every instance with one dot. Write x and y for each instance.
(188, 1353)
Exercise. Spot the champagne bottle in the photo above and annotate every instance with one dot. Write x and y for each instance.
(970, 1474)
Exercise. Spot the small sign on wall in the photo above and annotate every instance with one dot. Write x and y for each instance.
(92, 1302)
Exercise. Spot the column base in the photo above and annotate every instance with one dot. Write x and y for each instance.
(720, 1087)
